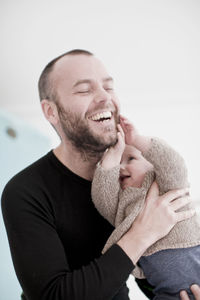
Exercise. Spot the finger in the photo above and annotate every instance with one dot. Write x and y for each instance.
(184, 215)
(119, 127)
(184, 295)
(124, 119)
(153, 192)
(126, 123)
(174, 194)
(123, 125)
(180, 202)
(121, 137)
(196, 291)
(120, 145)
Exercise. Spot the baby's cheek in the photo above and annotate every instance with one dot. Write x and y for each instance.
(138, 177)
(141, 178)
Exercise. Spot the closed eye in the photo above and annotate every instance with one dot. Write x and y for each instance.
(109, 89)
(131, 158)
(83, 92)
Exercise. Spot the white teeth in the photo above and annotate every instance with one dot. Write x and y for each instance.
(105, 114)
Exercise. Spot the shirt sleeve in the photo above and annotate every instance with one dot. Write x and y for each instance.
(39, 258)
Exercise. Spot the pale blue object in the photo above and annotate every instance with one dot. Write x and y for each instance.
(20, 145)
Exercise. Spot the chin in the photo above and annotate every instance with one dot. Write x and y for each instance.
(107, 138)
(111, 140)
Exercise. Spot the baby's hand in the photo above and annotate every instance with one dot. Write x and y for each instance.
(112, 156)
(129, 131)
(132, 137)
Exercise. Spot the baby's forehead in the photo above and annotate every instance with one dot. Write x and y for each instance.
(131, 150)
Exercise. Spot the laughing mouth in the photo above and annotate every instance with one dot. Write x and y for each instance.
(100, 117)
(122, 177)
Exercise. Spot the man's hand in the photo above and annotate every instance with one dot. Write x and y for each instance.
(157, 217)
(195, 290)
(112, 156)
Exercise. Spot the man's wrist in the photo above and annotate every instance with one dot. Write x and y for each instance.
(134, 245)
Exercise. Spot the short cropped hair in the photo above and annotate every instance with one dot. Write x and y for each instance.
(45, 84)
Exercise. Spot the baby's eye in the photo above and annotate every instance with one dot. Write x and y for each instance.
(131, 158)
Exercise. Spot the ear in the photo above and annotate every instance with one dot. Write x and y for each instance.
(50, 111)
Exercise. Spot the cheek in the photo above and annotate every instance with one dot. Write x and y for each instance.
(116, 103)
(81, 106)
(138, 168)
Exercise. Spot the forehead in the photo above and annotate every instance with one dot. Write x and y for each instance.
(71, 68)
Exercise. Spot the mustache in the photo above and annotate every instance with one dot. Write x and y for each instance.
(102, 106)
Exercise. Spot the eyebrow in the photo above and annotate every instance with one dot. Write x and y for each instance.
(90, 81)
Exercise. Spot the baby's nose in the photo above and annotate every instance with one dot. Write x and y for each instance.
(122, 167)
(122, 170)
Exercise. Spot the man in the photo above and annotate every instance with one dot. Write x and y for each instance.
(55, 233)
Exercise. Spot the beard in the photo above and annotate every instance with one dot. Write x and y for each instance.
(82, 137)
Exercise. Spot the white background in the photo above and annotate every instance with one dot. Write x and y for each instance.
(151, 48)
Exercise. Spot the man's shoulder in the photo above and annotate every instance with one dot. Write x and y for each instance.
(25, 192)
(29, 175)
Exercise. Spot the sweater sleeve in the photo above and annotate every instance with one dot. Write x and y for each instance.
(39, 258)
(169, 166)
(105, 189)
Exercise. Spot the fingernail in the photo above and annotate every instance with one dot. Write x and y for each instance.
(183, 293)
(195, 287)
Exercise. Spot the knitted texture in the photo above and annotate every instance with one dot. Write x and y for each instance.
(120, 207)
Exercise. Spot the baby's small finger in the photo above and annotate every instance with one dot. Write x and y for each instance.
(120, 129)
(127, 125)
(120, 143)
(122, 125)
(124, 120)
(122, 117)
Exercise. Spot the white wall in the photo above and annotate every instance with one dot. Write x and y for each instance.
(151, 48)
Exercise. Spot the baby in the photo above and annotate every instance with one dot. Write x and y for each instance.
(120, 184)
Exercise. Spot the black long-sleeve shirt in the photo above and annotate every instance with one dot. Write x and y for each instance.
(56, 236)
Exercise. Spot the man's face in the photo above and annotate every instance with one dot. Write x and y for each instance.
(87, 105)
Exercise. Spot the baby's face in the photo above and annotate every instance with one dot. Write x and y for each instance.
(133, 167)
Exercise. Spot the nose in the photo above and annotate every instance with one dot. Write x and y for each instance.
(102, 95)
(122, 168)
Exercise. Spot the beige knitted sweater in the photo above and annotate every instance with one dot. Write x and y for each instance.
(120, 207)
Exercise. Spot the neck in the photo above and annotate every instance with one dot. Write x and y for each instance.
(81, 163)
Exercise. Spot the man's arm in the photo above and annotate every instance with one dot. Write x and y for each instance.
(39, 258)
